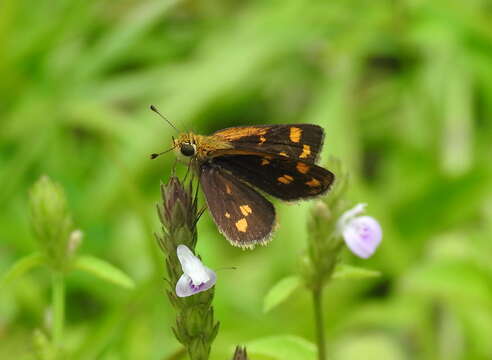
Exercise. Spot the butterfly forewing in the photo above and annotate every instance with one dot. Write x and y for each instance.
(284, 178)
(244, 216)
(298, 141)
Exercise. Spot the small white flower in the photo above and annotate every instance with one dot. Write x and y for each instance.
(362, 234)
(196, 277)
(74, 241)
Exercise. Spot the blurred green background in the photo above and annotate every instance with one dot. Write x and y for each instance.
(403, 89)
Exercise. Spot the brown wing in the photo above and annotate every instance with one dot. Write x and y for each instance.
(298, 141)
(284, 178)
(244, 216)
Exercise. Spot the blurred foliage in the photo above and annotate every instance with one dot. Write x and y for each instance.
(403, 89)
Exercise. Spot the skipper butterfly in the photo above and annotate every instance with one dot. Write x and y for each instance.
(234, 163)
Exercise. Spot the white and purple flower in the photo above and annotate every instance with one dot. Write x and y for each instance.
(362, 234)
(196, 277)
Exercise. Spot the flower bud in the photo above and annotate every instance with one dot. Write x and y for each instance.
(321, 210)
(240, 353)
(51, 221)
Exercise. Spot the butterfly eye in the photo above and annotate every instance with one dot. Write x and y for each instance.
(187, 149)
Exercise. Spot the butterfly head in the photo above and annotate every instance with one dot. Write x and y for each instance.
(189, 145)
(185, 145)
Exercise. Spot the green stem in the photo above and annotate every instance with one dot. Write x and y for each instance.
(58, 306)
(318, 319)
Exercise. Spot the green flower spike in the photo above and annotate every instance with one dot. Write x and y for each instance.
(195, 326)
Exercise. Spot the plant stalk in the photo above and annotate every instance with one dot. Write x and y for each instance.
(318, 319)
(58, 306)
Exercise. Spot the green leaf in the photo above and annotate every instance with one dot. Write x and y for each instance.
(280, 292)
(103, 270)
(368, 347)
(444, 280)
(283, 347)
(21, 266)
(349, 272)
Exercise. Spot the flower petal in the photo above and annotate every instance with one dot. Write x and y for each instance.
(185, 286)
(349, 215)
(212, 279)
(192, 266)
(363, 235)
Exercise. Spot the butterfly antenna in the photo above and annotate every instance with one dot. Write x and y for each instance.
(154, 155)
(154, 109)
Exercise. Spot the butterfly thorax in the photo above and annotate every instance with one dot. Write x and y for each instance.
(199, 147)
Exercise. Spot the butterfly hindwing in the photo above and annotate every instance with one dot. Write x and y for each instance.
(243, 215)
(284, 178)
(297, 141)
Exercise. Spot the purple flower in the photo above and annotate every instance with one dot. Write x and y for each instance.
(196, 277)
(362, 234)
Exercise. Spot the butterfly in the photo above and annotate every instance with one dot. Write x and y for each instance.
(234, 164)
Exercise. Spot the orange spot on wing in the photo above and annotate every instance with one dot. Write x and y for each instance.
(227, 215)
(313, 183)
(283, 153)
(302, 167)
(306, 151)
(262, 139)
(295, 134)
(265, 161)
(285, 179)
(228, 189)
(245, 210)
(242, 225)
